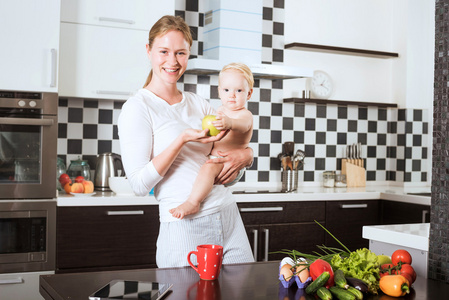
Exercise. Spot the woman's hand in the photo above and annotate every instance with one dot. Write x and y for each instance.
(196, 135)
(233, 161)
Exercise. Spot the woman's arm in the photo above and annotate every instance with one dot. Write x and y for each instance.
(234, 161)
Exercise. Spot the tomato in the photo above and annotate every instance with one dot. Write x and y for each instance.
(408, 277)
(407, 269)
(79, 179)
(319, 266)
(64, 179)
(401, 256)
(387, 269)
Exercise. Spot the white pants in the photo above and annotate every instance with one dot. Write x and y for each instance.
(176, 239)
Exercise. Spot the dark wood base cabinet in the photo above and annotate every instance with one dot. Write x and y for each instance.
(275, 226)
(98, 238)
(395, 212)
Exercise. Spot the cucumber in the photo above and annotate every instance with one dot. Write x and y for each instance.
(317, 283)
(340, 280)
(358, 294)
(324, 293)
(341, 294)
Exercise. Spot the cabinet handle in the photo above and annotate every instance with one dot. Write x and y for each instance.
(255, 242)
(54, 67)
(267, 242)
(115, 20)
(26, 121)
(424, 214)
(102, 92)
(258, 209)
(345, 206)
(11, 281)
(124, 212)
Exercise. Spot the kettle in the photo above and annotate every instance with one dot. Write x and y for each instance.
(107, 166)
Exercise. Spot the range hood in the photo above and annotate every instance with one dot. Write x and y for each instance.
(203, 66)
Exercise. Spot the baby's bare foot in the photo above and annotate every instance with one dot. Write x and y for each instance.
(185, 209)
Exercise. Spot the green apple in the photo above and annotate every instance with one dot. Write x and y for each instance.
(207, 123)
(383, 259)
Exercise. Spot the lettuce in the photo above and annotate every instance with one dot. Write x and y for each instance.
(361, 264)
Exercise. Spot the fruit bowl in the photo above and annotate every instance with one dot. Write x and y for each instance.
(120, 186)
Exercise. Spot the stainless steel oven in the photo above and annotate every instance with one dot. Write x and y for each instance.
(27, 236)
(28, 145)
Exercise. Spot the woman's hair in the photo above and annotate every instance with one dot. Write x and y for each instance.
(242, 68)
(164, 25)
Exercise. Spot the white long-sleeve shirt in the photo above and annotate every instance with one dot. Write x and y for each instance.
(147, 125)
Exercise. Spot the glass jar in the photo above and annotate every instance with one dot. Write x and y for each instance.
(340, 180)
(328, 178)
(78, 168)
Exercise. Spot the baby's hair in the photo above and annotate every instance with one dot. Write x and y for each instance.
(242, 68)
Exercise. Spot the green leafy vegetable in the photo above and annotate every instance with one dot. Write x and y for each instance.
(361, 264)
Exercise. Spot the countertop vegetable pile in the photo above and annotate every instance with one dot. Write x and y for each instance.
(349, 275)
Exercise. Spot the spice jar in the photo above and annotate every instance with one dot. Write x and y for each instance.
(328, 178)
(340, 180)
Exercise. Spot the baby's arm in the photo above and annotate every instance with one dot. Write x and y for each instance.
(243, 123)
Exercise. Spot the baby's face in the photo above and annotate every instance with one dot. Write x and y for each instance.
(233, 90)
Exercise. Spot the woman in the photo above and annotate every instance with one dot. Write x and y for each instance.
(161, 149)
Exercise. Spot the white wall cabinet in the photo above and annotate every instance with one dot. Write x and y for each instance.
(29, 31)
(102, 44)
(15, 286)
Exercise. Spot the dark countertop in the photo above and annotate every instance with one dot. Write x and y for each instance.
(239, 281)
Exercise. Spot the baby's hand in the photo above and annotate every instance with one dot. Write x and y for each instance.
(223, 122)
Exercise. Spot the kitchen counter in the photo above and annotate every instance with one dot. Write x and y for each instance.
(237, 281)
(267, 194)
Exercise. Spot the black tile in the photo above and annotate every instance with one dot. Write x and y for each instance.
(264, 122)
(255, 137)
(372, 126)
(298, 137)
(382, 114)
(265, 95)
(391, 175)
(417, 140)
(400, 139)
(408, 152)
(74, 146)
(263, 176)
(278, 28)
(309, 176)
(279, 3)
(104, 146)
(267, 13)
(287, 123)
(91, 161)
(275, 164)
(424, 153)
(425, 128)
(380, 164)
(401, 114)
(203, 79)
(267, 40)
(408, 127)
(190, 87)
(400, 165)
(75, 115)
(115, 132)
(276, 136)
(320, 164)
(192, 5)
(309, 150)
(341, 138)
(362, 138)
(299, 110)
(180, 13)
(63, 102)
(363, 113)
(256, 82)
(423, 176)
(118, 104)
(331, 125)
(214, 93)
(371, 175)
(342, 112)
(194, 31)
(276, 109)
(320, 138)
(331, 151)
(407, 177)
(277, 84)
(264, 150)
(90, 131)
(416, 165)
(200, 48)
(352, 126)
(253, 107)
(371, 151)
(321, 111)
(391, 152)
(105, 116)
(392, 127)
(278, 55)
(310, 124)
(381, 139)
(62, 130)
(417, 115)
(90, 103)
(254, 166)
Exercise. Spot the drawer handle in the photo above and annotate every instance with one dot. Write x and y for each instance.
(54, 67)
(11, 281)
(267, 243)
(124, 212)
(255, 241)
(424, 214)
(115, 20)
(344, 206)
(120, 93)
(258, 209)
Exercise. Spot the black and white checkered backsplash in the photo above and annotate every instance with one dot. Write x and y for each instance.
(394, 140)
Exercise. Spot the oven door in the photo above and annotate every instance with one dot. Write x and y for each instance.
(28, 157)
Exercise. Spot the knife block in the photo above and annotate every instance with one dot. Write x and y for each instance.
(355, 175)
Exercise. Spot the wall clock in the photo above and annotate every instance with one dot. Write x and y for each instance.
(320, 85)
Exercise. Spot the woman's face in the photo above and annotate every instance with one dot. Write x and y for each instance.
(168, 56)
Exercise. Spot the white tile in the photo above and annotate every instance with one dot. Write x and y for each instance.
(309, 137)
(263, 163)
(276, 123)
(362, 126)
(287, 135)
(74, 131)
(90, 147)
(90, 116)
(278, 15)
(107, 104)
(104, 132)
(264, 136)
(63, 115)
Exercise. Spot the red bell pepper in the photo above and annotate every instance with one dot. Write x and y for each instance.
(319, 266)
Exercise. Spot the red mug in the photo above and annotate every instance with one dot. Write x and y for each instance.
(209, 259)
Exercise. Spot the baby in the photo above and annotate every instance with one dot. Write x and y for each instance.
(235, 86)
